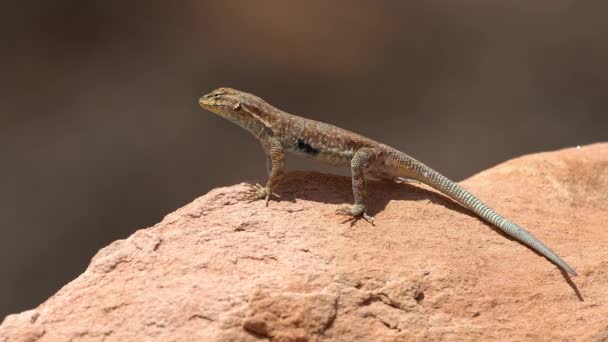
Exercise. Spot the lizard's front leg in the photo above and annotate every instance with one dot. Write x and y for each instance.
(276, 156)
(361, 161)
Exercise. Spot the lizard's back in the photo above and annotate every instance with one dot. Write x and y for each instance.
(321, 141)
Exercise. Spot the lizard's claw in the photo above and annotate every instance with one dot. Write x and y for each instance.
(402, 180)
(257, 192)
(355, 213)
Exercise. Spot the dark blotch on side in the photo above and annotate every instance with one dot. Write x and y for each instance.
(305, 147)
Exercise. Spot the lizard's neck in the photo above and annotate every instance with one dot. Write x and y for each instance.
(260, 118)
(255, 127)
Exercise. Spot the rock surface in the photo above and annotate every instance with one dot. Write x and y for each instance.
(221, 269)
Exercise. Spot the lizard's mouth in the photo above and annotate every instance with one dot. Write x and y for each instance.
(205, 102)
(209, 103)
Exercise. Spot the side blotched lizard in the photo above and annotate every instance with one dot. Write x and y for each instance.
(280, 132)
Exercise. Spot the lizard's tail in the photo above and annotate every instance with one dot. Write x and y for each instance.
(436, 180)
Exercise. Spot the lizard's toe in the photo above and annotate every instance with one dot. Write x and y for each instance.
(267, 198)
(258, 192)
(368, 218)
(354, 213)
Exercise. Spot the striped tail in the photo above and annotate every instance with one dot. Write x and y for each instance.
(434, 179)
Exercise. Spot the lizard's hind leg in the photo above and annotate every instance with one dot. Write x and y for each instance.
(363, 160)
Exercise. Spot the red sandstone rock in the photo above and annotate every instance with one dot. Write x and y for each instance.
(224, 269)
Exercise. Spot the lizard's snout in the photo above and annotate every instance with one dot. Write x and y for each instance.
(203, 101)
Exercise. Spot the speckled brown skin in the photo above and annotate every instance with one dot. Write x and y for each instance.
(280, 132)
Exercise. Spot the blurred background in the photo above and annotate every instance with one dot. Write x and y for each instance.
(101, 133)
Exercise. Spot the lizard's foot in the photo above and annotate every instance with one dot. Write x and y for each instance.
(355, 212)
(257, 192)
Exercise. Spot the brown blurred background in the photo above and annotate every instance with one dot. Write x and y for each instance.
(101, 133)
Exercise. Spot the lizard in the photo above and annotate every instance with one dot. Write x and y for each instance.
(280, 132)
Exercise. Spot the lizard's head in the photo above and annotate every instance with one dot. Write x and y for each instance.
(221, 101)
(237, 106)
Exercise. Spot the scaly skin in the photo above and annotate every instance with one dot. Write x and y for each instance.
(280, 132)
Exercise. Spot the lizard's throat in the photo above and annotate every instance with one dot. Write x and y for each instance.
(250, 124)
